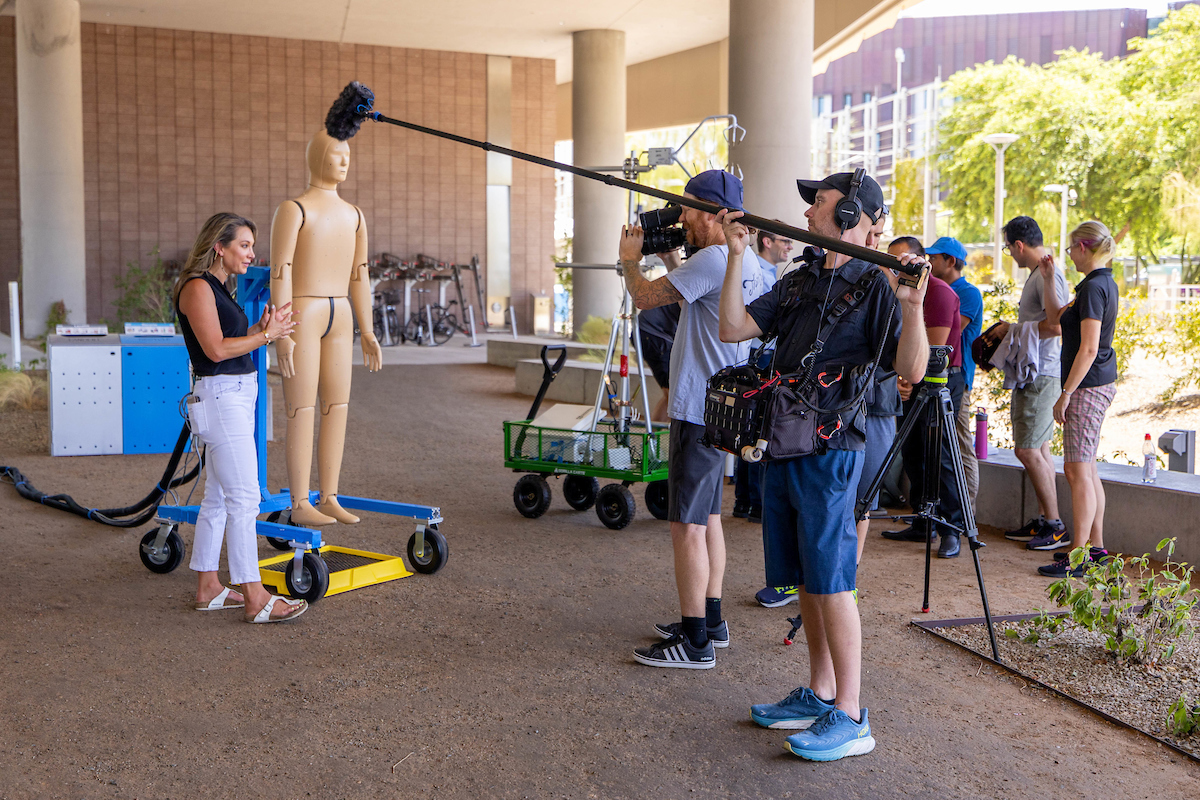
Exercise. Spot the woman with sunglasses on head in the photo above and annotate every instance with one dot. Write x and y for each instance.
(1089, 383)
(219, 340)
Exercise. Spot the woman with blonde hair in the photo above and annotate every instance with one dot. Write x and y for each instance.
(1089, 383)
(219, 340)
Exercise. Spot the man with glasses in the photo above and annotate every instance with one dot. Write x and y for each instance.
(1033, 404)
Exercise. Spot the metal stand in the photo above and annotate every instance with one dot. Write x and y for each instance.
(471, 327)
(941, 423)
(254, 294)
(624, 324)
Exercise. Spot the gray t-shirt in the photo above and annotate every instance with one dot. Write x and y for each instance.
(698, 352)
(1033, 309)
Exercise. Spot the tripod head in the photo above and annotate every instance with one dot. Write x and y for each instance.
(939, 363)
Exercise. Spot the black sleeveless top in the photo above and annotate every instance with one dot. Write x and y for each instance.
(233, 323)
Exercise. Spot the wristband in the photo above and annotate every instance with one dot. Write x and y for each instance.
(1067, 391)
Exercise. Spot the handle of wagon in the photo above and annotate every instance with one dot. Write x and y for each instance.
(549, 372)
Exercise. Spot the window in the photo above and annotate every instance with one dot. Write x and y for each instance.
(847, 100)
(867, 97)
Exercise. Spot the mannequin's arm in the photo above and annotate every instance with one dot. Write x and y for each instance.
(285, 226)
(360, 299)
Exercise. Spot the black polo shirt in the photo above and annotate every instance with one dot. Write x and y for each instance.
(853, 341)
(1096, 297)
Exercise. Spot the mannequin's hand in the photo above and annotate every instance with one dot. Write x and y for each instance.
(372, 352)
(283, 351)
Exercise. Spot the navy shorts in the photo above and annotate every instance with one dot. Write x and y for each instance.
(809, 537)
(695, 474)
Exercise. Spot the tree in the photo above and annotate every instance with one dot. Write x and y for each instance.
(1113, 130)
(908, 212)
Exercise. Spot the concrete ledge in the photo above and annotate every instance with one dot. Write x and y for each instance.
(578, 382)
(506, 352)
(1137, 515)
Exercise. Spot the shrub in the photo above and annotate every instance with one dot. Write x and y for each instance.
(1105, 601)
(145, 294)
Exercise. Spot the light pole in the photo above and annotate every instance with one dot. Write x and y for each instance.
(1000, 143)
(1067, 194)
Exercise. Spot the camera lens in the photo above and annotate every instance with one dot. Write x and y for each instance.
(661, 217)
(662, 240)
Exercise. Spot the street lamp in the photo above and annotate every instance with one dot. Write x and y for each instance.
(1067, 194)
(999, 142)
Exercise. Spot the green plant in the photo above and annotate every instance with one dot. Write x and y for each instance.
(1182, 342)
(57, 316)
(1106, 601)
(145, 294)
(1132, 332)
(1183, 718)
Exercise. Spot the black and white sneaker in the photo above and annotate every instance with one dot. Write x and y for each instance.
(719, 636)
(676, 652)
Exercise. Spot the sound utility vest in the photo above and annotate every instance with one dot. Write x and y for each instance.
(860, 304)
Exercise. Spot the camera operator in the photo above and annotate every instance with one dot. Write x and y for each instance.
(808, 512)
(695, 472)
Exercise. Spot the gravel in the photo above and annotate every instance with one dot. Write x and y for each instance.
(1075, 663)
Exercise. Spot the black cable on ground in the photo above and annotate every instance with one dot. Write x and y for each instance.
(145, 509)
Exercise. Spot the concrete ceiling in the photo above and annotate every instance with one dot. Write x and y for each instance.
(530, 28)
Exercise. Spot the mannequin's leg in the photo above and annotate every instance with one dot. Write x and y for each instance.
(337, 350)
(300, 396)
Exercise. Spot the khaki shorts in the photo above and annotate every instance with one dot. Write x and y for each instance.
(1033, 412)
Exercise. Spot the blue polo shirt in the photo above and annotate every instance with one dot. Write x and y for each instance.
(970, 305)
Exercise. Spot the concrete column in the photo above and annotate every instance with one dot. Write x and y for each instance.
(598, 130)
(50, 142)
(770, 92)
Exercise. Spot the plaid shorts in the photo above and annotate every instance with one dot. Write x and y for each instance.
(1085, 414)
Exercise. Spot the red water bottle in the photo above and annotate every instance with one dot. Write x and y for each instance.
(981, 433)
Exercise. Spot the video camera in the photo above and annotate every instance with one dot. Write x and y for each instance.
(662, 233)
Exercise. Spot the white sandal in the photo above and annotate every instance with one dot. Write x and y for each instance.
(264, 615)
(218, 602)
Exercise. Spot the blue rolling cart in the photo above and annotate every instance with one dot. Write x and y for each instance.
(307, 574)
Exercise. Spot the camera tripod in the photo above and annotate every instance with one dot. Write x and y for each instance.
(939, 424)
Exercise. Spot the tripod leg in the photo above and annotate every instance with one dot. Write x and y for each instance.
(931, 485)
(860, 511)
(970, 529)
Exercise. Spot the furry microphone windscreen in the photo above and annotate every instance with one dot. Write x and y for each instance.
(349, 110)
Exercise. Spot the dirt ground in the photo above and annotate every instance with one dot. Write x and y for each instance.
(508, 673)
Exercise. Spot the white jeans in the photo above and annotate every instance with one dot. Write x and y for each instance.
(231, 492)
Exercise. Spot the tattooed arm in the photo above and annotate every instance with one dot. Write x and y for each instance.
(646, 294)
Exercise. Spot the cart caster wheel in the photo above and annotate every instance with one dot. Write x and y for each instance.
(163, 559)
(313, 580)
(435, 555)
(615, 506)
(283, 518)
(656, 499)
(531, 496)
(580, 492)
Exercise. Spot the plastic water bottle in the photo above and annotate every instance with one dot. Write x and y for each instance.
(1150, 464)
(981, 420)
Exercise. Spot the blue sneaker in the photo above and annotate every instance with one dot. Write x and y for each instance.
(831, 737)
(776, 596)
(795, 712)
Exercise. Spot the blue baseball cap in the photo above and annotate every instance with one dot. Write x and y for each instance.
(947, 246)
(717, 186)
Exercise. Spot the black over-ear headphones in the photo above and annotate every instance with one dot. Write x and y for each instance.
(849, 209)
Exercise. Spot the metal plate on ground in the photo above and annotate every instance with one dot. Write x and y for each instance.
(348, 569)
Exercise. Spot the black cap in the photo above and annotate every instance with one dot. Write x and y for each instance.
(869, 194)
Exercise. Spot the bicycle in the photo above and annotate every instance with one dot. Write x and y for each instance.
(419, 323)
(385, 308)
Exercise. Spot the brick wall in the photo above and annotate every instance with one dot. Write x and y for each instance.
(10, 188)
(179, 124)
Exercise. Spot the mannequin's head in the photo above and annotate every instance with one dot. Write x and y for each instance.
(328, 160)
